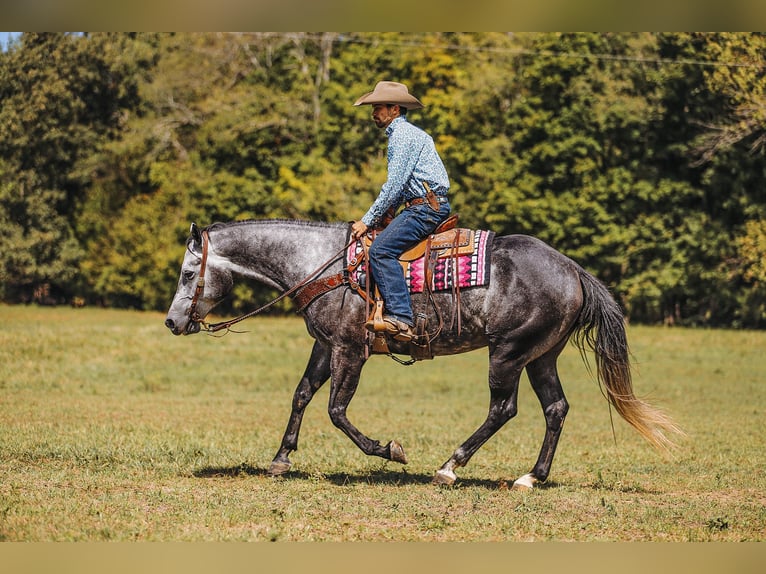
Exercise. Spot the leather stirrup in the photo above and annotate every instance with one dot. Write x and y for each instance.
(378, 324)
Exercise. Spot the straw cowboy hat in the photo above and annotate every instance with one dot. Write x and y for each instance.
(390, 93)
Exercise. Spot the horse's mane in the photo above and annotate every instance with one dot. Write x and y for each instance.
(296, 222)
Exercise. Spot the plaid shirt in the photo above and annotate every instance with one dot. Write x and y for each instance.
(412, 159)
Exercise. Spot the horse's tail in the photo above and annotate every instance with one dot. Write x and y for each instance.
(601, 328)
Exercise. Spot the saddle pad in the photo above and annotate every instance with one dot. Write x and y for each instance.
(472, 269)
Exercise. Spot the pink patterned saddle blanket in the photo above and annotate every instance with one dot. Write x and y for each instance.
(462, 260)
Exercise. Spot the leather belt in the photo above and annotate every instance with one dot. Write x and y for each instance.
(421, 200)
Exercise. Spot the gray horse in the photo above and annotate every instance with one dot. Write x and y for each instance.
(535, 301)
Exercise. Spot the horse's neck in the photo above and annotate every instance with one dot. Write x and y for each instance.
(279, 254)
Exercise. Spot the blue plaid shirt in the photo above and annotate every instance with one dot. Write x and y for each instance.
(412, 159)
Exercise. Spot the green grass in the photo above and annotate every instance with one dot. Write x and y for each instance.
(113, 429)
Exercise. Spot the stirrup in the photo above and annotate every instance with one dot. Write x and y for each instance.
(376, 319)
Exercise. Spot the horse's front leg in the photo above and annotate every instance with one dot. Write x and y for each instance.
(316, 374)
(346, 368)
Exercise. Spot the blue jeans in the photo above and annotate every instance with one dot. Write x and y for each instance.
(405, 231)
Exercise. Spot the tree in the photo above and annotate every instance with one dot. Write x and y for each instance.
(63, 95)
(748, 270)
(640, 155)
(737, 73)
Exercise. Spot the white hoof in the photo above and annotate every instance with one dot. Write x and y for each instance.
(526, 482)
(446, 477)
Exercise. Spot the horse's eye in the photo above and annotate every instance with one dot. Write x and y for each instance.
(188, 275)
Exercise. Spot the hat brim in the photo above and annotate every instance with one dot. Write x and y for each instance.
(404, 100)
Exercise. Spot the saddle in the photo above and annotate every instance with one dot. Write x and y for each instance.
(426, 266)
(448, 240)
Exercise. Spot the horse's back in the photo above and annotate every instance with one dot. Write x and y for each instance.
(525, 258)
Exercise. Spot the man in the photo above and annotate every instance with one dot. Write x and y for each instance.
(417, 179)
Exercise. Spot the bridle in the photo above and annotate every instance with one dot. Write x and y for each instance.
(335, 281)
(214, 327)
(193, 314)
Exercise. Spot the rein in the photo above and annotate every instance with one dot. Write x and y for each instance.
(329, 284)
(215, 327)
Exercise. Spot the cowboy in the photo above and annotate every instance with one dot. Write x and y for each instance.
(417, 179)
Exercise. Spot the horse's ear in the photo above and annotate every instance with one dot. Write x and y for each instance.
(195, 233)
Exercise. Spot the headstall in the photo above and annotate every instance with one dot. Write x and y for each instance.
(193, 315)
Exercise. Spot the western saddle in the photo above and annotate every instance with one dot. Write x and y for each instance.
(448, 240)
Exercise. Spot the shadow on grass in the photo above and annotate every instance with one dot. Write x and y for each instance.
(371, 477)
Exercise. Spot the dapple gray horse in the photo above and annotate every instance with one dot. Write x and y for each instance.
(536, 300)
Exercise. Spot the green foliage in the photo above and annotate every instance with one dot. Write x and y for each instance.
(748, 270)
(640, 155)
(63, 97)
(37, 245)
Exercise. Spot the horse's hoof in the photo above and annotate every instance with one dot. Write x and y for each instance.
(396, 452)
(526, 482)
(444, 477)
(278, 468)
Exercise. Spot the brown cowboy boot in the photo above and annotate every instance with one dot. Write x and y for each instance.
(398, 329)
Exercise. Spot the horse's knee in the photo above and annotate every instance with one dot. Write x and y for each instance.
(503, 405)
(302, 397)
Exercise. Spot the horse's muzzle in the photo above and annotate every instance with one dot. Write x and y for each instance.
(191, 327)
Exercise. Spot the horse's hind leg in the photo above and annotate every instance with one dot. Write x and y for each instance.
(543, 376)
(504, 373)
(316, 374)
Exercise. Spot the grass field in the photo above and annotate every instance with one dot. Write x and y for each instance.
(113, 429)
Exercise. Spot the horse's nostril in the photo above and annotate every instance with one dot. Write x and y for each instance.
(169, 323)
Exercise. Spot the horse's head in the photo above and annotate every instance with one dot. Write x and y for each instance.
(203, 283)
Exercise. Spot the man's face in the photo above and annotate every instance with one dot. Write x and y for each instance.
(384, 114)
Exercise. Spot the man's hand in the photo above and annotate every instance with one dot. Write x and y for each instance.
(358, 229)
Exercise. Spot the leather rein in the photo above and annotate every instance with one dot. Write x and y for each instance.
(321, 286)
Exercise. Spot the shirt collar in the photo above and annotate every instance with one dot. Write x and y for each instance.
(393, 124)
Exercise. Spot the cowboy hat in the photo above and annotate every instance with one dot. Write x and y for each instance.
(390, 93)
